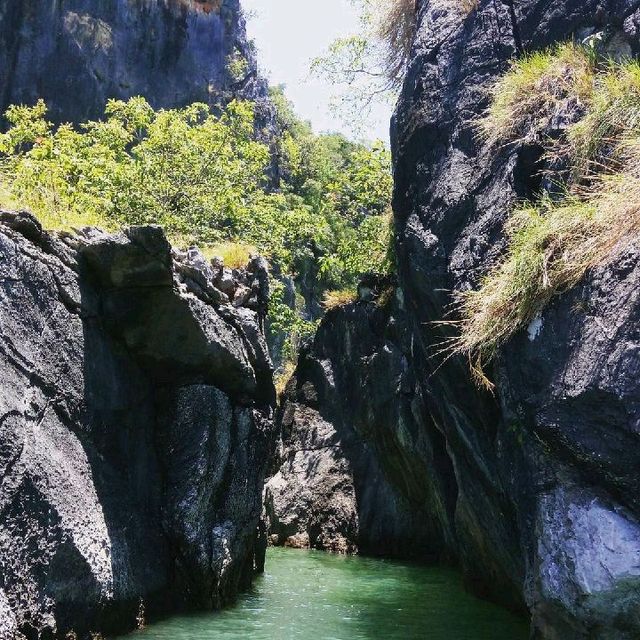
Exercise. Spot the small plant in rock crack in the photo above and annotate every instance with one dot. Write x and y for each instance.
(140, 617)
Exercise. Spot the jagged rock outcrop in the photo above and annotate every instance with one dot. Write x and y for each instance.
(357, 470)
(536, 488)
(135, 428)
(78, 53)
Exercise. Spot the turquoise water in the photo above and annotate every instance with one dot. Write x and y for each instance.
(315, 596)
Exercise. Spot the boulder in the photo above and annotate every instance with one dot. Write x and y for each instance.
(135, 427)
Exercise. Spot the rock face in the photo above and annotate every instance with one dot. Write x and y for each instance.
(135, 421)
(78, 53)
(357, 469)
(534, 490)
(547, 470)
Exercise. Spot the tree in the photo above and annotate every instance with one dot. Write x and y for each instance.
(368, 67)
(203, 177)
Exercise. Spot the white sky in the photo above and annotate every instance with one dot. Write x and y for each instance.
(289, 34)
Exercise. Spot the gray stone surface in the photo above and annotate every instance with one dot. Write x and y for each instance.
(533, 490)
(76, 54)
(135, 425)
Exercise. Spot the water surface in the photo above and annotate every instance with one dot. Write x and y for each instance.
(308, 595)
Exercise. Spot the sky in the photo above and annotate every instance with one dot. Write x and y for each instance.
(289, 34)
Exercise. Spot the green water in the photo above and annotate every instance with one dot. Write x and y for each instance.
(315, 596)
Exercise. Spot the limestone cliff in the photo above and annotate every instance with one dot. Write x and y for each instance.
(533, 490)
(135, 428)
(78, 53)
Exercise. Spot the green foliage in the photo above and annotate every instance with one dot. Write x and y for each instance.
(185, 169)
(237, 66)
(362, 249)
(345, 189)
(203, 177)
(289, 321)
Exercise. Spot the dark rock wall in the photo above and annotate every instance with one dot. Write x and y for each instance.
(76, 54)
(135, 428)
(534, 489)
(551, 463)
(361, 468)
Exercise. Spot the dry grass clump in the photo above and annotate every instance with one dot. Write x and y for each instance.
(338, 298)
(551, 246)
(395, 26)
(234, 254)
(551, 243)
(613, 113)
(535, 88)
(386, 297)
(469, 6)
(283, 376)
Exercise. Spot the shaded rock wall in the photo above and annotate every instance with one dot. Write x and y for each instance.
(360, 468)
(78, 53)
(550, 463)
(135, 422)
(532, 490)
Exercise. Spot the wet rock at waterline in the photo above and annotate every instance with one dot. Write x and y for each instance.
(135, 421)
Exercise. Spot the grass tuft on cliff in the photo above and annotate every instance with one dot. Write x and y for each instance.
(234, 254)
(283, 377)
(551, 246)
(536, 86)
(552, 243)
(396, 28)
(613, 115)
(338, 298)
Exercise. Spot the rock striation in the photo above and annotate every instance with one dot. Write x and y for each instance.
(135, 429)
(76, 54)
(533, 490)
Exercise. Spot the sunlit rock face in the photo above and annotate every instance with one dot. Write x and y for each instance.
(135, 422)
(76, 54)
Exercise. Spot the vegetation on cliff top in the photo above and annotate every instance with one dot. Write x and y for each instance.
(208, 180)
(553, 241)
